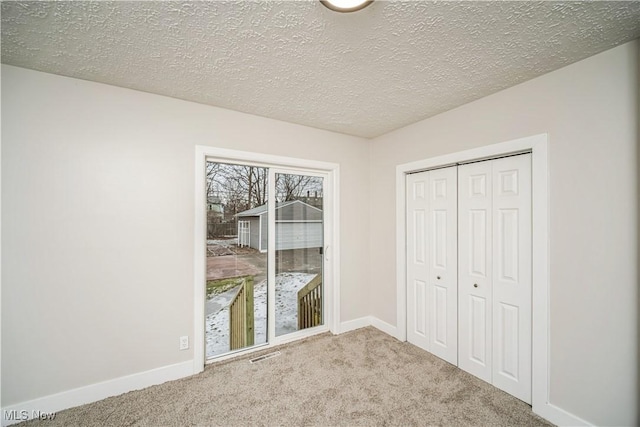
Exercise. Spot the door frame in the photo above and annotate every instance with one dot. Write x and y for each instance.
(538, 146)
(331, 266)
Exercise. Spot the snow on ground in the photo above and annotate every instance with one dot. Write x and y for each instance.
(287, 287)
(227, 243)
(221, 247)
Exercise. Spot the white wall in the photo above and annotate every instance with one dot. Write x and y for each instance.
(590, 111)
(98, 220)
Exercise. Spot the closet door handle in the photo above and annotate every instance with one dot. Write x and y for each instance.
(475, 285)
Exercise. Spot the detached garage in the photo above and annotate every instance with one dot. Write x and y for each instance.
(298, 226)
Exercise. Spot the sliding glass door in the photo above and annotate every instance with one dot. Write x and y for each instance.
(299, 242)
(236, 272)
(265, 255)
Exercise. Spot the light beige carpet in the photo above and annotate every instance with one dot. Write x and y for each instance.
(360, 378)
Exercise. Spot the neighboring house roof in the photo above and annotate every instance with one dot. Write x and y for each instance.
(306, 211)
(260, 210)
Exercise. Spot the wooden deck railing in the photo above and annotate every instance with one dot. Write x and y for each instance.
(310, 304)
(241, 321)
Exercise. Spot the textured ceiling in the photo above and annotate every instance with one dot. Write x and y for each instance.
(364, 73)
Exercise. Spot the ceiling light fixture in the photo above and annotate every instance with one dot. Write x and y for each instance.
(346, 5)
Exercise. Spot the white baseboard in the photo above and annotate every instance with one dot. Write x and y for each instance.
(559, 416)
(362, 322)
(352, 325)
(94, 392)
(384, 326)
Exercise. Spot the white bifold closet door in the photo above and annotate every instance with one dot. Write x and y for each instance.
(432, 282)
(494, 277)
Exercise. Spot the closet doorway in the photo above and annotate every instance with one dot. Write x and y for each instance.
(493, 322)
(469, 268)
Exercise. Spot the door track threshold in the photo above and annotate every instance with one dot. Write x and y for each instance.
(265, 357)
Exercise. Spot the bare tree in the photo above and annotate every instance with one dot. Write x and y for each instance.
(213, 174)
(293, 187)
(239, 187)
(242, 187)
(258, 191)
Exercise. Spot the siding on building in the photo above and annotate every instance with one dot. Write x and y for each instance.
(297, 210)
(298, 226)
(254, 231)
(265, 232)
(298, 235)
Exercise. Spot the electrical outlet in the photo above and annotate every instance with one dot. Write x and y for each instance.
(184, 342)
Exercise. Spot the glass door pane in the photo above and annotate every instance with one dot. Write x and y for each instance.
(236, 299)
(299, 242)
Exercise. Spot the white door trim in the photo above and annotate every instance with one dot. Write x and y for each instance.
(538, 145)
(332, 257)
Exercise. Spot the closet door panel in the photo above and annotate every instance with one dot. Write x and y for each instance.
(443, 269)
(475, 269)
(418, 260)
(512, 275)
